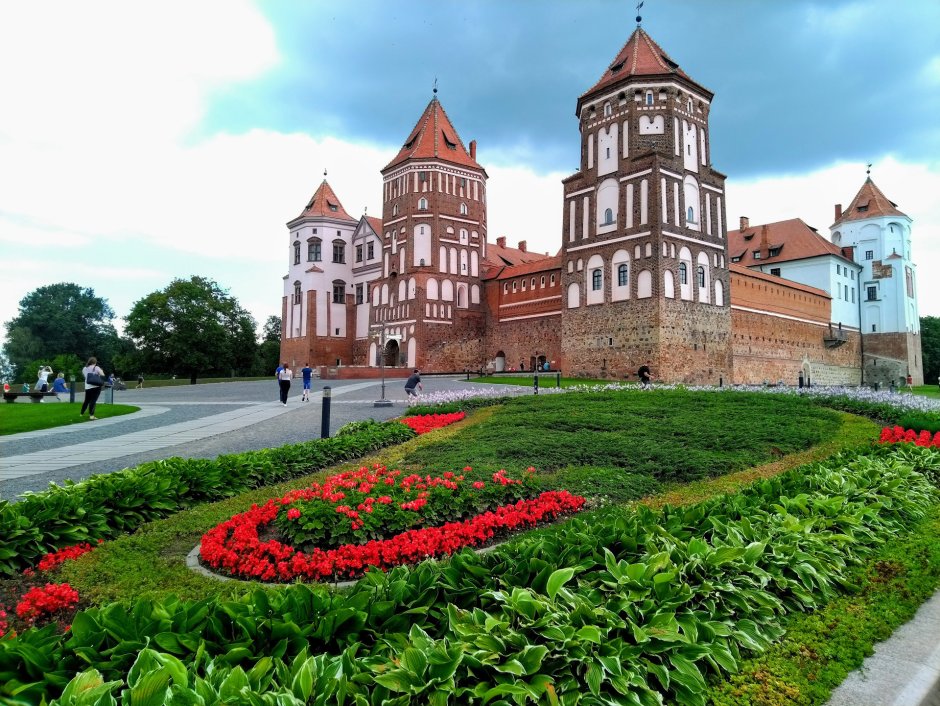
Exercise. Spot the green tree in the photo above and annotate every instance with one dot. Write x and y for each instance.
(930, 348)
(192, 326)
(269, 350)
(59, 319)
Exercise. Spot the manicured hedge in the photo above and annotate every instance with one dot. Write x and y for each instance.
(625, 606)
(105, 506)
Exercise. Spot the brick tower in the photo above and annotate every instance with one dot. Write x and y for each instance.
(643, 266)
(879, 236)
(428, 296)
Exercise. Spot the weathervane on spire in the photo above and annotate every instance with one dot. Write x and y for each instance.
(324, 173)
(639, 19)
(868, 171)
(435, 85)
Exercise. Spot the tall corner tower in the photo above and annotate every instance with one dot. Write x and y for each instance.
(880, 238)
(429, 296)
(315, 310)
(644, 249)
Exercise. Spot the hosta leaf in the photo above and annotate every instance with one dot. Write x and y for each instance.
(558, 579)
(589, 633)
(531, 658)
(594, 676)
(395, 680)
(415, 661)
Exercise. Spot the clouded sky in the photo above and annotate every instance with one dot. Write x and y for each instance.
(142, 142)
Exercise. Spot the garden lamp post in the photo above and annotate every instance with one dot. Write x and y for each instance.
(382, 402)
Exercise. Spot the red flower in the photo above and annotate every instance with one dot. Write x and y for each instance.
(479, 485)
(293, 513)
(46, 599)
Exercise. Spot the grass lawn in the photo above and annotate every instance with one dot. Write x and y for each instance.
(928, 391)
(20, 416)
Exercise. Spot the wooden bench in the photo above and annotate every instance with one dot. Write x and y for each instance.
(33, 396)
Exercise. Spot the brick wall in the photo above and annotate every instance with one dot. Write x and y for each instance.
(891, 356)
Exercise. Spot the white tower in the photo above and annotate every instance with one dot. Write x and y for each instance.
(880, 236)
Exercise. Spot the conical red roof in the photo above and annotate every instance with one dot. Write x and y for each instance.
(640, 56)
(869, 202)
(325, 203)
(434, 137)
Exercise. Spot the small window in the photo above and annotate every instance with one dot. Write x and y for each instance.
(314, 231)
(463, 182)
(339, 253)
(297, 293)
(513, 286)
(838, 269)
(757, 254)
(689, 105)
(542, 282)
(869, 254)
(505, 287)
(874, 328)
(314, 251)
(370, 250)
(422, 204)
(358, 253)
(736, 259)
(607, 113)
(773, 252)
(700, 271)
(596, 279)
(552, 281)
(608, 216)
(683, 273)
(690, 215)
(623, 275)
(463, 209)
(871, 293)
(422, 176)
(358, 294)
(853, 275)
(532, 284)
(395, 210)
(296, 253)
(775, 271)
(523, 285)
(649, 98)
(333, 206)
(339, 293)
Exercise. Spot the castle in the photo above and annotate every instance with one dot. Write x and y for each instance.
(646, 271)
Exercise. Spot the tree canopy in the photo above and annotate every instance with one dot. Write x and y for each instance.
(930, 347)
(193, 326)
(60, 319)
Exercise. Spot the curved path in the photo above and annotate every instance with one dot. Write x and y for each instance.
(191, 421)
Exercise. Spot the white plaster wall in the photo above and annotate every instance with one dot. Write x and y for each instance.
(607, 150)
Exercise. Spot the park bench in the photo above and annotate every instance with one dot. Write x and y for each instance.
(33, 396)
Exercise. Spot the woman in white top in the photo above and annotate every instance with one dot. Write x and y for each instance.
(91, 391)
(283, 380)
(42, 384)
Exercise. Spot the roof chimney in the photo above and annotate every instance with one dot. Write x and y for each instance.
(501, 241)
(838, 211)
(522, 245)
(745, 222)
(473, 149)
(763, 237)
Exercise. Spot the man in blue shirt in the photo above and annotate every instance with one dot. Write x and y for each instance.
(306, 371)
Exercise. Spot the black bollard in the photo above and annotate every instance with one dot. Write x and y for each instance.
(535, 384)
(721, 381)
(557, 379)
(325, 422)
(71, 389)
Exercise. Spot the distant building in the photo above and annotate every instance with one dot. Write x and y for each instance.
(646, 270)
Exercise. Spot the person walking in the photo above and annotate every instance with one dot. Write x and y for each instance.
(645, 377)
(92, 387)
(414, 381)
(140, 381)
(910, 383)
(306, 372)
(284, 375)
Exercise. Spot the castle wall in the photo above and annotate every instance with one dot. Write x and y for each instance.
(889, 357)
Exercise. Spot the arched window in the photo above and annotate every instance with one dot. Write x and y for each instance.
(607, 110)
(596, 280)
(690, 215)
(297, 292)
(422, 204)
(314, 250)
(700, 273)
(649, 98)
(394, 211)
(623, 275)
(608, 216)
(463, 209)
(683, 273)
(296, 253)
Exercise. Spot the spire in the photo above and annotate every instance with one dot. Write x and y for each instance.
(869, 202)
(434, 137)
(640, 56)
(324, 203)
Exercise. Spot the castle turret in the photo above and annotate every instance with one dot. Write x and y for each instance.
(643, 254)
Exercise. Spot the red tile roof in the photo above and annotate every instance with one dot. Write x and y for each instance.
(501, 257)
(376, 224)
(781, 281)
(525, 268)
(869, 202)
(325, 203)
(640, 56)
(795, 240)
(434, 137)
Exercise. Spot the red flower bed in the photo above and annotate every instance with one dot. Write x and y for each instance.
(236, 547)
(898, 435)
(45, 600)
(423, 423)
(55, 559)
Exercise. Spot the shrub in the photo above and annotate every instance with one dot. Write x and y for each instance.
(614, 484)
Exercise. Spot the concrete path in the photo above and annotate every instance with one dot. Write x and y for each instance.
(905, 668)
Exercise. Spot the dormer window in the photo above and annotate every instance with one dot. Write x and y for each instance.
(332, 206)
(773, 252)
(757, 254)
(448, 142)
